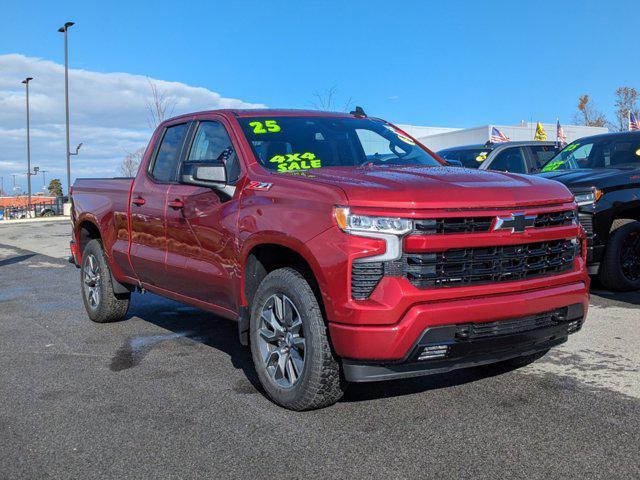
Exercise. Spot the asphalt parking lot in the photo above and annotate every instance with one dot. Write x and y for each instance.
(170, 393)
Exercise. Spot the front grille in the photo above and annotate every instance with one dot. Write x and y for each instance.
(444, 226)
(586, 220)
(452, 225)
(471, 266)
(364, 278)
(475, 331)
(554, 219)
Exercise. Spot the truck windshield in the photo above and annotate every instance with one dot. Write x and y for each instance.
(286, 144)
(470, 158)
(623, 152)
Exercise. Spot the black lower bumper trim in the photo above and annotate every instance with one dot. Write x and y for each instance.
(360, 372)
(468, 348)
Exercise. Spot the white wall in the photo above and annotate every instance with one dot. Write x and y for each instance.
(526, 131)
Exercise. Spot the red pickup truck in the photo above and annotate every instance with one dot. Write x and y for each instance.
(345, 250)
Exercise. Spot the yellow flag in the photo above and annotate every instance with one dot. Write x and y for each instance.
(540, 133)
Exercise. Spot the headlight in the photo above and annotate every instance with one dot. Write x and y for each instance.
(587, 198)
(352, 223)
(389, 229)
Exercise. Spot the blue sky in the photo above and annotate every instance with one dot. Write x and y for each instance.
(434, 63)
(449, 64)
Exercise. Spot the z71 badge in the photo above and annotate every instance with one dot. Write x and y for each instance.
(259, 186)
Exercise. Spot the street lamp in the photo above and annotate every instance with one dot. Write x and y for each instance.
(63, 30)
(26, 84)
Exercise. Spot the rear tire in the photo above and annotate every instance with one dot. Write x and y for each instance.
(96, 284)
(620, 269)
(290, 346)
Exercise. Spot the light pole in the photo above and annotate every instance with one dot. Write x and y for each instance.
(63, 30)
(44, 180)
(26, 84)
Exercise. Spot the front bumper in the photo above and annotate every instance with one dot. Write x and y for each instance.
(394, 342)
(446, 348)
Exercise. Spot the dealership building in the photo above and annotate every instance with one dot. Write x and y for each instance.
(437, 138)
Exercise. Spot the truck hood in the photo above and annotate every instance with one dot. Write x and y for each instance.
(594, 177)
(439, 187)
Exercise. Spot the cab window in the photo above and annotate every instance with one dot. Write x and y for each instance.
(166, 163)
(509, 160)
(542, 154)
(212, 143)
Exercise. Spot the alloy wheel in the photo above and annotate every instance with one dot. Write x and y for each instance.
(92, 281)
(281, 341)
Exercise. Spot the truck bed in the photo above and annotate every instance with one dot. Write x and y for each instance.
(105, 201)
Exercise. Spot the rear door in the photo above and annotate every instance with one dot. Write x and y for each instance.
(202, 251)
(149, 205)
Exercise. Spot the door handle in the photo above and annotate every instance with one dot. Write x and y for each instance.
(139, 201)
(176, 204)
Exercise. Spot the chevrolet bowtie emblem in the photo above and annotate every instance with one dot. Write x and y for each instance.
(516, 222)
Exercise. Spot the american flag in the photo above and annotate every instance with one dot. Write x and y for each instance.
(561, 138)
(633, 122)
(497, 136)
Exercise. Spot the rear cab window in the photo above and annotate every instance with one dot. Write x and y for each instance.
(165, 166)
(470, 158)
(541, 154)
(509, 160)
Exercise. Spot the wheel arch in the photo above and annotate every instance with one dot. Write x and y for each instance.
(264, 256)
(86, 230)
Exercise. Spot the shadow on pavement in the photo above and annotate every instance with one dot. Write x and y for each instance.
(18, 259)
(186, 322)
(219, 333)
(622, 299)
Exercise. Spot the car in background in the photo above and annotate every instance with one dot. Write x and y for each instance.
(603, 172)
(48, 209)
(514, 157)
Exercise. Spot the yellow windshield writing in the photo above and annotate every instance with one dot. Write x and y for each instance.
(296, 161)
(549, 167)
(264, 127)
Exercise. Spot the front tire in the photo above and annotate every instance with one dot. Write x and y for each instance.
(290, 346)
(620, 269)
(101, 303)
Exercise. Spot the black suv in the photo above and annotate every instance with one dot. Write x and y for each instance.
(514, 157)
(603, 172)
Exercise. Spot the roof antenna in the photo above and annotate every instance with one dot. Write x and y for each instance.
(358, 112)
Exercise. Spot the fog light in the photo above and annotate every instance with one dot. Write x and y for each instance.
(433, 352)
(573, 326)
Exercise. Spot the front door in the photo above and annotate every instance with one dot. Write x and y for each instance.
(202, 251)
(149, 204)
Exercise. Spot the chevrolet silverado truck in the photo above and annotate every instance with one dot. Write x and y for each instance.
(603, 172)
(345, 250)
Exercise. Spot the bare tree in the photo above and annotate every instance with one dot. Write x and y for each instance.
(626, 101)
(131, 162)
(327, 100)
(160, 106)
(588, 114)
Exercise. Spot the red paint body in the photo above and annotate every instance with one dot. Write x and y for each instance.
(196, 254)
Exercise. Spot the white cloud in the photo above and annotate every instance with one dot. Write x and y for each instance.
(108, 114)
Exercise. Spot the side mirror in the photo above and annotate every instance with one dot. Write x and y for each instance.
(454, 163)
(212, 174)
